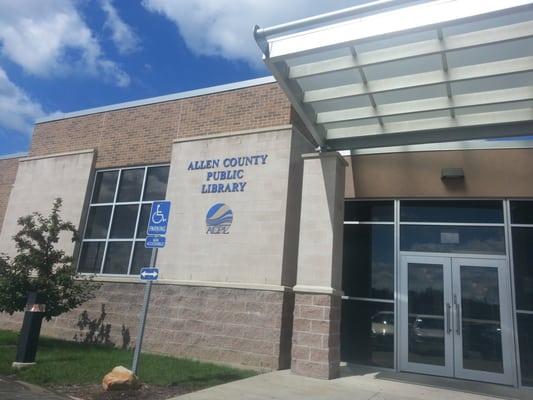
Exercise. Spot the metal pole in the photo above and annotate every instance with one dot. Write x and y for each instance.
(142, 320)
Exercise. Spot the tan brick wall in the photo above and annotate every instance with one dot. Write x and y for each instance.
(251, 108)
(235, 326)
(8, 173)
(144, 134)
(316, 335)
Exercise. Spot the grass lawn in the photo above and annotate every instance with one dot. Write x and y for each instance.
(61, 363)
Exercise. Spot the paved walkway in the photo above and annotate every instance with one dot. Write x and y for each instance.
(282, 385)
(15, 390)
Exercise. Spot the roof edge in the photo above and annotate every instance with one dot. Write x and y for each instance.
(476, 144)
(160, 99)
(13, 155)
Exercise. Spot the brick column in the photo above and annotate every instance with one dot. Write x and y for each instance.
(316, 328)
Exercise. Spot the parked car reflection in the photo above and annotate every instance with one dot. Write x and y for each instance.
(426, 334)
(383, 329)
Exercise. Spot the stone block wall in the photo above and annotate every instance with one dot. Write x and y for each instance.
(224, 325)
(316, 335)
(40, 180)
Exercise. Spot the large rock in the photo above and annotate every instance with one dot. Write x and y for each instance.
(120, 378)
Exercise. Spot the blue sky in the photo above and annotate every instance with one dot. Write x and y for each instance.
(66, 55)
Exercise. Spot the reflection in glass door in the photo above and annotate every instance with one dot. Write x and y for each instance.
(455, 318)
(425, 315)
(483, 324)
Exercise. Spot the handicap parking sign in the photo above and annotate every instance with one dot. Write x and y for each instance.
(155, 242)
(157, 224)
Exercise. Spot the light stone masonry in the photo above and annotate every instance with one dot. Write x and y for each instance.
(39, 181)
(316, 326)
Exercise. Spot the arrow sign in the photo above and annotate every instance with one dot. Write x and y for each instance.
(149, 274)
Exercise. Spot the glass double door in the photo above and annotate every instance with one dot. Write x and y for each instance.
(455, 318)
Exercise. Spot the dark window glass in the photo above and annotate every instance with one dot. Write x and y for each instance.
(91, 257)
(480, 319)
(141, 258)
(130, 187)
(469, 211)
(367, 333)
(368, 211)
(156, 183)
(368, 262)
(98, 222)
(104, 187)
(117, 258)
(522, 212)
(523, 267)
(525, 342)
(124, 219)
(143, 220)
(446, 239)
(426, 314)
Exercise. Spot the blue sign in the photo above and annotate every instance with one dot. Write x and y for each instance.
(153, 242)
(219, 219)
(157, 224)
(149, 274)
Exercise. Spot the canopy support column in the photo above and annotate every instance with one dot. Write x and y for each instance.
(316, 329)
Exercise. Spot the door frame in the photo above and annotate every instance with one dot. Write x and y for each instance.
(453, 345)
(405, 364)
(508, 377)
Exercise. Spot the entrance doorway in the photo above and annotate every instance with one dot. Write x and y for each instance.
(455, 318)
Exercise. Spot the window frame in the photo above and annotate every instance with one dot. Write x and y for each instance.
(511, 250)
(108, 239)
(376, 301)
(391, 223)
(502, 225)
(517, 311)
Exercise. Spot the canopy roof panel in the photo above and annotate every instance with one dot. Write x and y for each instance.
(395, 72)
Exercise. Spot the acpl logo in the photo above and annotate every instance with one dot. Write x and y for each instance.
(218, 219)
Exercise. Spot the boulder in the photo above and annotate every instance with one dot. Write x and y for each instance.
(120, 378)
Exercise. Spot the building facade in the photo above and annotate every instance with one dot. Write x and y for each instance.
(280, 253)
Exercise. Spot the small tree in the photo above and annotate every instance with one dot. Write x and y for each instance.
(40, 267)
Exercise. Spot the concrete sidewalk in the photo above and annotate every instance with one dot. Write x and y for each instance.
(16, 390)
(282, 385)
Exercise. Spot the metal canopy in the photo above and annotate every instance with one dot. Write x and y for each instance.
(408, 73)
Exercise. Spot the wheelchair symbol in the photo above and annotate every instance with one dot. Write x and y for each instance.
(158, 217)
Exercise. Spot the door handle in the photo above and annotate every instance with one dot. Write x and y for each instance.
(448, 318)
(457, 316)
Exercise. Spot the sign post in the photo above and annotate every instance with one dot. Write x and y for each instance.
(157, 227)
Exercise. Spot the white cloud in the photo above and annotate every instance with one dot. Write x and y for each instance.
(17, 110)
(225, 28)
(122, 34)
(50, 38)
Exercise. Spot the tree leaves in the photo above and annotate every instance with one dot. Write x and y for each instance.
(40, 266)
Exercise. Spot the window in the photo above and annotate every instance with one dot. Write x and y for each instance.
(458, 211)
(367, 322)
(452, 226)
(453, 239)
(113, 241)
(369, 211)
(522, 246)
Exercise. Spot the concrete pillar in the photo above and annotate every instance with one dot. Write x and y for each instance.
(316, 327)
